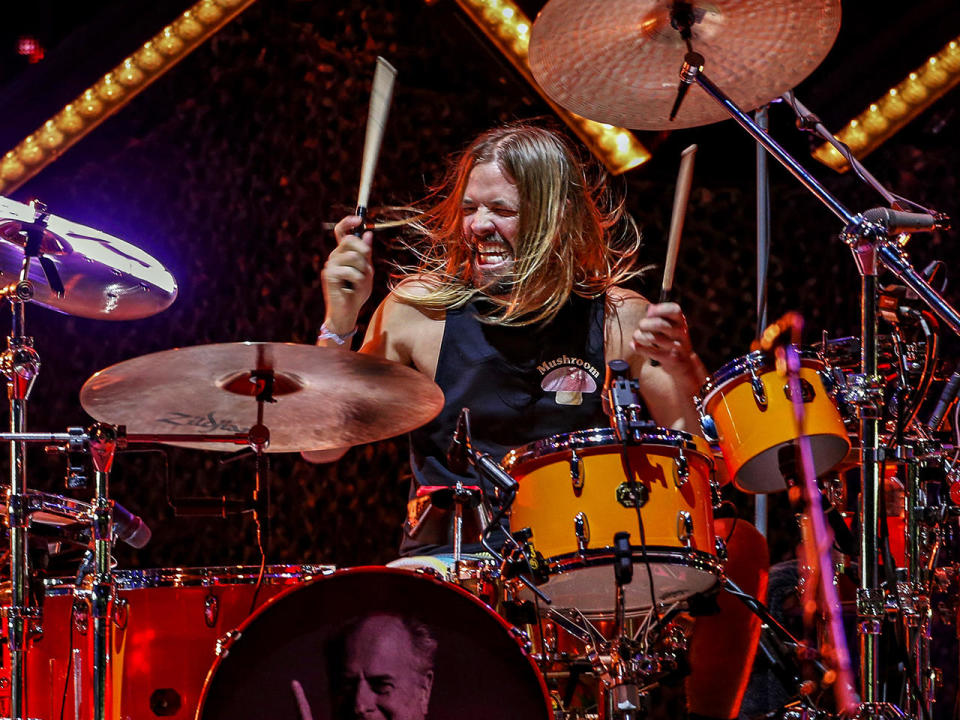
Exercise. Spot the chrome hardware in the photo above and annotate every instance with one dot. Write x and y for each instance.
(211, 610)
(720, 545)
(576, 472)
(521, 637)
(120, 613)
(681, 469)
(807, 393)
(759, 391)
(684, 527)
(581, 526)
(225, 641)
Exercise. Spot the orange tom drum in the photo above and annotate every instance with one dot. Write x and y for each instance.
(571, 495)
(751, 409)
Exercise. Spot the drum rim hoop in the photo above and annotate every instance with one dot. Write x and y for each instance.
(756, 360)
(597, 437)
(212, 576)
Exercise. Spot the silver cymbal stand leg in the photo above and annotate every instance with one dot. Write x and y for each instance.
(103, 444)
(20, 364)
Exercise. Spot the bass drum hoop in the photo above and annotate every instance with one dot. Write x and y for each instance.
(246, 632)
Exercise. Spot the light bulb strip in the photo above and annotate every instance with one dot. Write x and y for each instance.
(508, 28)
(115, 89)
(898, 106)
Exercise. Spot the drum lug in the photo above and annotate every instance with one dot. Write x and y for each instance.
(225, 641)
(120, 613)
(581, 527)
(684, 527)
(521, 637)
(681, 470)
(759, 391)
(211, 610)
(721, 547)
(576, 472)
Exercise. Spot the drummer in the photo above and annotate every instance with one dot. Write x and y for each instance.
(515, 307)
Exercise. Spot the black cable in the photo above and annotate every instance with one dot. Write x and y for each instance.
(635, 496)
(263, 563)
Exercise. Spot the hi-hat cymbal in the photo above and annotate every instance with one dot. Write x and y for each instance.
(103, 277)
(325, 398)
(618, 61)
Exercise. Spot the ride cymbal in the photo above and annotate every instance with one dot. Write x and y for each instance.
(324, 397)
(618, 61)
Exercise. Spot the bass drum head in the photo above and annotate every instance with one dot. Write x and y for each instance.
(288, 659)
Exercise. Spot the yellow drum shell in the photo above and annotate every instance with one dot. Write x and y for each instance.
(677, 517)
(751, 434)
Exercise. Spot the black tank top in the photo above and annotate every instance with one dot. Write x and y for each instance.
(521, 384)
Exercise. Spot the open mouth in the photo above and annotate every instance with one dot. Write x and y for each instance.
(492, 252)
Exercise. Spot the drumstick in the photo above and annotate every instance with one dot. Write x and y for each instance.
(680, 195)
(303, 704)
(380, 96)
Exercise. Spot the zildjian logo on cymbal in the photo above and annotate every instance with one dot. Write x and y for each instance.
(203, 422)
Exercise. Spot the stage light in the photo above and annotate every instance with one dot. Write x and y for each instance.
(898, 106)
(115, 89)
(508, 28)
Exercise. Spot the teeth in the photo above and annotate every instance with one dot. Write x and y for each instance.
(493, 248)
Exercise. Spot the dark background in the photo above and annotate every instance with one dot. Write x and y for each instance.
(226, 168)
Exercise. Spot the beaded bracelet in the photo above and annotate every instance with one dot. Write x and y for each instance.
(327, 334)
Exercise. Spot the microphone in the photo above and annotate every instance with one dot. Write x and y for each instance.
(494, 472)
(896, 222)
(692, 64)
(130, 528)
(947, 396)
(458, 454)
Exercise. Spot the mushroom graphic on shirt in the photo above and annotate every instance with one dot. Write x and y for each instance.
(569, 383)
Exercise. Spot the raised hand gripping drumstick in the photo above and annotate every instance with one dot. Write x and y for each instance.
(380, 96)
(680, 195)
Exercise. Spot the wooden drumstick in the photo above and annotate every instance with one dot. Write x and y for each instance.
(380, 97)
(680, 195)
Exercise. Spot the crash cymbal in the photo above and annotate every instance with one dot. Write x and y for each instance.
(618, 61)
(103, 277)
(325, 398)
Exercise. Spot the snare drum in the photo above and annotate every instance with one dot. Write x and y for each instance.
(447, 655)
(751, 408)
(571, 495)
(162, 640)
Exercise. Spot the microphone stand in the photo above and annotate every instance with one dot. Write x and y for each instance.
(871, 246)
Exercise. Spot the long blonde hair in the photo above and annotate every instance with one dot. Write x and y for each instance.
(564, 243)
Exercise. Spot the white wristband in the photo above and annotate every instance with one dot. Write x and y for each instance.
(327, 334)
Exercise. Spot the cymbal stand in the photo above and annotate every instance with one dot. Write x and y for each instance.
(103, 444)
(869, 237)
(20, 363)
